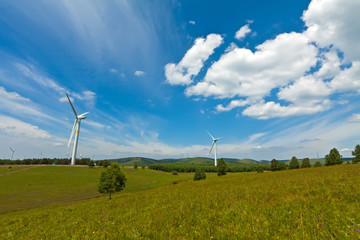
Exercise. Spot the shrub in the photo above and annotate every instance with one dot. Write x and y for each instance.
(305, 163)
(294, 163)
(135, 166)
(259, 169)
(221, 167)
(91, 164)
(143, 166)
(317, 164)
(199, 174)
(174, 173)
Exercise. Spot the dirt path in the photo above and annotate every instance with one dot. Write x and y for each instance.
(23, 169)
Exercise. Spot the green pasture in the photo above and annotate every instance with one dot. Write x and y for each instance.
(41, 186)
(313, 203)
(5, 169)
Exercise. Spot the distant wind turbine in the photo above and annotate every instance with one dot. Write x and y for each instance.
(12, 153)
(214, 143)
(76, 128)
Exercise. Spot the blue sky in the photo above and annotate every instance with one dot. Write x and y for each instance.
(276, 79)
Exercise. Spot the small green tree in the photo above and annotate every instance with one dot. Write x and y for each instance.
(106, 163)
(259, 169)
(294, 163)
(273, 165)
(91, 164)
(174, 172)
(281, 166)
(221, 167)
(199, 174)
(356, 154)
(305, 163)
(317, 164)
(143, 166)
(135, 166)
(111, 180)
(333, 158)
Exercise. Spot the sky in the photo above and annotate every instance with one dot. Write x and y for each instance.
(275, 79)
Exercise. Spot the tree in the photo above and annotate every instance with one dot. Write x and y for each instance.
(135, 166)
(273, 165)
(333, 158)
(199, 174)
(305, 163)
(259, 169)
(294, 163)
(317, 164)
(106, 163)
(91, 164)
(143, 166)
(356, 154)
(111, 180)
(221, 167)
(281, 166)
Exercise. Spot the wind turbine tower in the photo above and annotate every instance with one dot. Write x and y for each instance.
(12, 153)
(76, 128)
(214, 144)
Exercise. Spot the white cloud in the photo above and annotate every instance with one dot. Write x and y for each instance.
(233, 104)
(139, 73)
(272, 110)
(193, 61)
(15, 127)
(242, 32)
(330, 65)
(348, 79)
(192, 22)
(355, 117)
(334, 23)
(306, 89)
(113, 70)
(243, 73)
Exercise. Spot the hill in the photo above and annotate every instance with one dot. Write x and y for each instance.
(130, 161)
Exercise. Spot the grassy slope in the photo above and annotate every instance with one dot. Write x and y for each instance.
(46, 185)
(315, 203)
(6, 169)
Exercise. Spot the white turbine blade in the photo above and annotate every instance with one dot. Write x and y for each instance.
(218, 138)
(71, 105)
(83, 114)
(211, 147)
(211, 135)
(72, 132)
(12, 149)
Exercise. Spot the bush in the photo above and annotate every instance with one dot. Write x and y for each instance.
(106, 163)
(333, 158)
(199, 174)
(143, 166)
(259, 169)
(221, 167)
(305, 163)
(294, 163)
(317, 164)
(91, 164)
(174, 173)
(135, 166)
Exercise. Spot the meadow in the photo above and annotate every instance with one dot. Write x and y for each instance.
(311, 203)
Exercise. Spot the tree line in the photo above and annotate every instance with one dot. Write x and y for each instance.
(57, 161)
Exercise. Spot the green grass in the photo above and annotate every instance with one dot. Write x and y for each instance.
(314, 203)
(6, 169)
(47, 185)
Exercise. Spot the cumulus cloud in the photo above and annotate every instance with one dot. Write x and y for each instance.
(15, 127)
(139, 73)
(193, 61)
(244, 73)
(233, 104)
(192, 22)
(333, 23)
(242, 32)
(348, 79)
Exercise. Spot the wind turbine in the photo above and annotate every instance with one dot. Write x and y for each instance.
(214, 143)
(76, 128)
(12, 153)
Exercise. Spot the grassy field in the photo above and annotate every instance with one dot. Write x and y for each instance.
(6, 169)
(41, 186)
(315, 203)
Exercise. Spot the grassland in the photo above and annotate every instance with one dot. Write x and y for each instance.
(315, 203)
(41, 186)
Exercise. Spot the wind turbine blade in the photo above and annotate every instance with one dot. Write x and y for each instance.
(211, 135)
(83, 114)
(72, 132)
(219, 138)
(211, 147)
(71, 105)
(11, 149)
